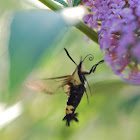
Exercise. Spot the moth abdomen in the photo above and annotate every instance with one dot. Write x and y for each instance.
(74, 97)
(70, 117)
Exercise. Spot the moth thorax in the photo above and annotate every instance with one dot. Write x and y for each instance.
(75, 78)
(83, 69)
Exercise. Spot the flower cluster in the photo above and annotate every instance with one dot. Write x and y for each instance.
(118, 25)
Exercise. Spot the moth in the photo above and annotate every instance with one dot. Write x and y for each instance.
(75, 83)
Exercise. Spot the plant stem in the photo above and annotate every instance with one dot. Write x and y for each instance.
(81, 26)
(51, 4)
(90, 33)
(68, 3)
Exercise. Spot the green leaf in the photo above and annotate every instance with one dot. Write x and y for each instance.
(32, 34)
(76, 2)
(62, 2)
(130, 104)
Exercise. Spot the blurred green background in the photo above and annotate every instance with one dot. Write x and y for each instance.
(113, 109)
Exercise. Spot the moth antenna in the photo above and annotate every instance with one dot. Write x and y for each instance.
(90, 58)
(69, 56)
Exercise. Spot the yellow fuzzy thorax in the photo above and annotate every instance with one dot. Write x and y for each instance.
(75, 80)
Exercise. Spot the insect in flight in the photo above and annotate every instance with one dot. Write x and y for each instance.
(76, 86)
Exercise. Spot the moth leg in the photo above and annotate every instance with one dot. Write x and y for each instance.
(87, 96)
(88, 87)
(92, 70)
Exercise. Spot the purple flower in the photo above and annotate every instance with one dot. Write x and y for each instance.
(136, 51)
(118, 26)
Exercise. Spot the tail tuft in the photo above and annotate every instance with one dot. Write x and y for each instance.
(70, 117)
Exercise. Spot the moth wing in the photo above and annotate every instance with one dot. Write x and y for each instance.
(49, 85)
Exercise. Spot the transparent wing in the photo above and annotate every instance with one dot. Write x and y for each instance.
(50, 85)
